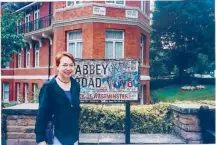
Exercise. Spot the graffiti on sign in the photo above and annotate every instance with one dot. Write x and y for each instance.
(107, 80)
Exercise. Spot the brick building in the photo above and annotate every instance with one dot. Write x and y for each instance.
(88, 30)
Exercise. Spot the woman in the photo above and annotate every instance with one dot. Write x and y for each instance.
(59, 98)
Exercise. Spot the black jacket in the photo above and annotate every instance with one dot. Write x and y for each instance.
(53, 101)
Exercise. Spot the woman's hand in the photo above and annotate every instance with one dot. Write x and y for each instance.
(42, 143)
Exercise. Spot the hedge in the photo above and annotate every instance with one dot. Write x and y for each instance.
(155, 118)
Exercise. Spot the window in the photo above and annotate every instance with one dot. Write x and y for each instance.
(143, 6)
(114, 44)
(73, 3)
(142, 48)
(26, 90)
(19, 23)
(35, 92)
(118, 2)
(19, 99)
(19, 59)
(27, 57)
(27, 20)
(37, 55)
(6, 92)
(36, 19)
(75, 43)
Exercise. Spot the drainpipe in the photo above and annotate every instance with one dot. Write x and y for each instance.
(49, 60)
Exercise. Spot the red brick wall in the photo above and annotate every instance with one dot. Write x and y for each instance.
(133, 3)
(44, 9)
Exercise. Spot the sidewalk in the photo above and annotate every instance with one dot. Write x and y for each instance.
(111, 138)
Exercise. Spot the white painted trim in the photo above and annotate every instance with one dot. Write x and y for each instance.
(144, 78)
(29, 68)
(29, 5)
(19, 60)
(37, 39)
(29, 34)
(29, 42)
(103, 19)
(27, 77)
(116, 3)
(28, 58)
(26, 93)
(3, 90)
(47, 36)
(102, 5)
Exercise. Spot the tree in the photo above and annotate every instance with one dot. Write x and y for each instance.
(185, 28)
(10, 39)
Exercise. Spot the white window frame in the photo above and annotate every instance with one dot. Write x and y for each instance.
(37, 61)
(18, 92)
(75, 3)
(143, 6)
(19, 59)
(6, 99)
(36, 20)
(35, 88)
(74, 41)
(142, 48)
(26, 87)
(27, 57)
(114, 42)
(113, 2)
(27, 21)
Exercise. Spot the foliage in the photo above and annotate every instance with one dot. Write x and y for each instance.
(184, 32)
(173, 93)
(154, 118)
(11, 41)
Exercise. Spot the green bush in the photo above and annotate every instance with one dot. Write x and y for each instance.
(155, 118)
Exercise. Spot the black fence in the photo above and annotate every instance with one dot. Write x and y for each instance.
(35, 25)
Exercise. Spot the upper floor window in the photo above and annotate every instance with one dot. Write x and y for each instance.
(19, 59)
(114, 44)
(27, 24)
(73, 3)
(143, 6)
(142, 48)
(5, 92)
(118, 2)
(36, 19)
(37, 54)
(27, 57)
(75, 43)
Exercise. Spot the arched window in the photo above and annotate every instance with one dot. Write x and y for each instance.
(27, 56)
(37, 54)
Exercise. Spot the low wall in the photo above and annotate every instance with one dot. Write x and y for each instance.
(20, 121)
(187, 122)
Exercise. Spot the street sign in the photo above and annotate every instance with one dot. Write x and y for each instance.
(107, 80)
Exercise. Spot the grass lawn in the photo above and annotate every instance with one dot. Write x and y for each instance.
(172, 93)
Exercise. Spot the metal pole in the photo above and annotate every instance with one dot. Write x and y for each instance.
(127, 123)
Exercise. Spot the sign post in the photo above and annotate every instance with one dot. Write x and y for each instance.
(109, 81)
(127, 123)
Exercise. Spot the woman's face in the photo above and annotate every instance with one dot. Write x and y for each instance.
(66, 67)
